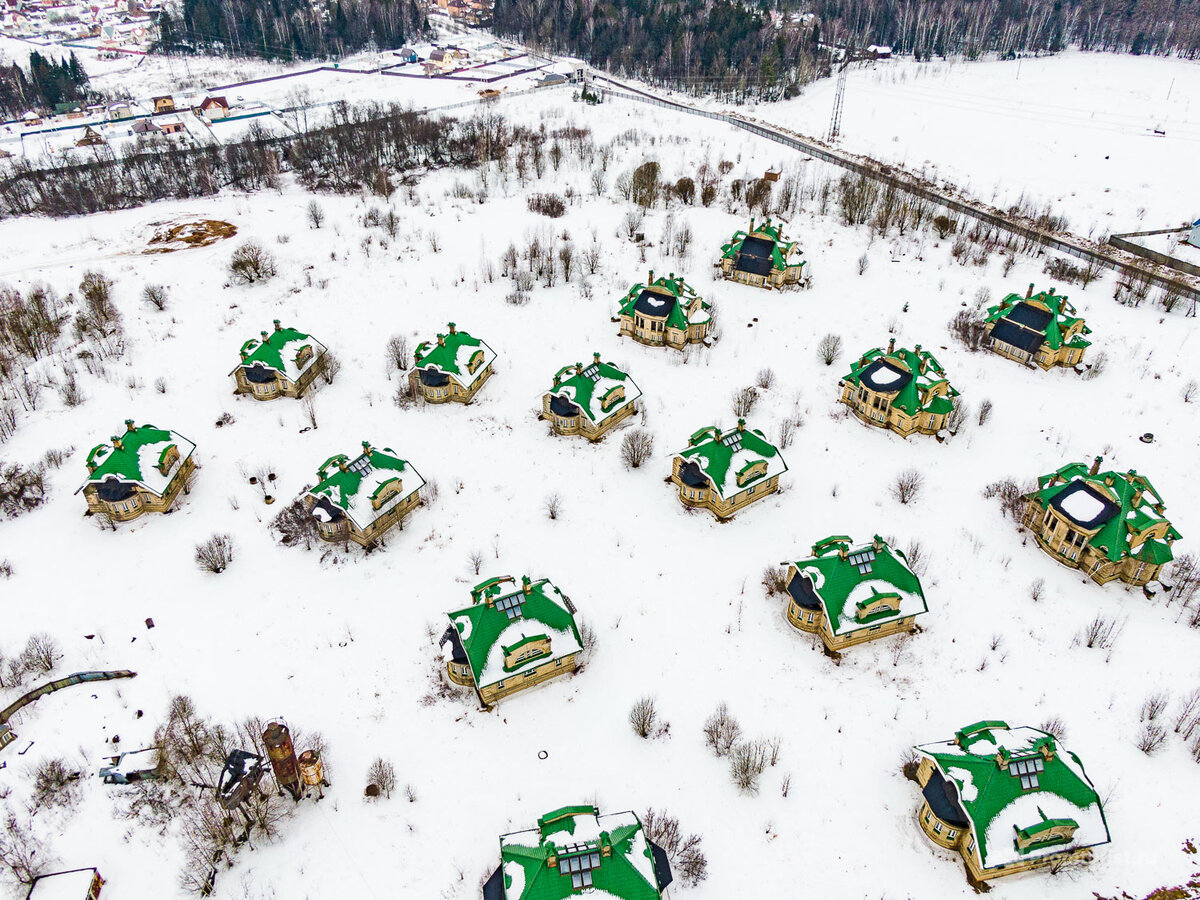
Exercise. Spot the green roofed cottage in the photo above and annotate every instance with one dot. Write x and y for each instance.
(280, 363)
(1041, 329)
(453, 368)
(576, 851)
(905, 391)
(849, 593)
(724, 472)
(142, 470)
(1008, 799)
(589, 400)
(762, 256)
(1109, 524)
(511, 637)
(664, 312)
(359, 499)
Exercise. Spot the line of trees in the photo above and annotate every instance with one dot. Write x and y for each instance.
(288, 29)
(45, 83)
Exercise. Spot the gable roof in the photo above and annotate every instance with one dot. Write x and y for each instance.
(670, 297)
(762, 249)
(722, 456)
(976, 767)
(135, 456)
(1120, 505)
(617, 857)
(587, 386)
(1028, 322)
(452, 354)
(210, 102)
(849, 579)
(278, 350)
(504, 614)
(911, 374)
(348, 487)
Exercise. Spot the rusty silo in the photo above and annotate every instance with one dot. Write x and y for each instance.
(312, 771)
(282, 754)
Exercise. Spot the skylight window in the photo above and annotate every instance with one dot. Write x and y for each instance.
(733, 441)
(579, 867)
(592, 372)
(511, 605)
(863, 560)
(361, 466)
(1026, 770)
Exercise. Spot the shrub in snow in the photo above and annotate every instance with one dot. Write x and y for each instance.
(721, 731)
(1037, 589)
(907, 485)
(943, 225)
(829, 349)
(215, 554)
(1154, 706)
(295, 526)
(382, 776)
(1011, 495)
(40, 654)
(969, 328)
(744, 401)
(314, 213)
(1187, 716)
(155, 295)
(550, 205)
(1095, 368)
(22, 489)
(553, 505)
(1056, 727)
(21, 853)
(636, 447)
(774, 579)
(1060, 269)
(6, 571)
(765, 378)
(1101, 633)
(251, 263)
(1151, 738)
(985, 411)
(642, 717)
(54, 783)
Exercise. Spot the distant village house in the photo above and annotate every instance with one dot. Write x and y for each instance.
(589, 400)
(852, 593)
(762, 257)
(73, 884)
(724, 472)
(664, 312)
(1039, 329)
(453, 369)
(164, 104)
(281, 363)
(213, 108)
(905, 391)
(1112, 525)
(512, 637)
(140, 471)
(361, 499)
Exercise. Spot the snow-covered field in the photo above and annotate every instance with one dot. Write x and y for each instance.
(675, 597)
(1075, 130)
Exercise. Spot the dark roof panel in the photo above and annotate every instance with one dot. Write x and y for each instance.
(942, 798)
(1106, 509)
(801, 590)
(691, 475)
(1008, 332)
(885, 377)
(662, 865)
(653, 303)
(1030, 316)
(561, 406)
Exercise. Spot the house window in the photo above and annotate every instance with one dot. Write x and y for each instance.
(971, 846)
(937, 827)
(558, 663)
(811, 617)
(951, 834)
(928, 815)
(875, 627)
(1026, 770)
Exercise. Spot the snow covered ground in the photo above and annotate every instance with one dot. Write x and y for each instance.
(1075, 130)
(675, 597)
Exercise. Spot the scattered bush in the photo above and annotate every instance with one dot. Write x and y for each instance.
(721, 731)
(1037, 589)
(765, 378)
(251, 263)
(315, 214)
(295, 526)
(685, 854)
(774, 579)
(969, 328)
(1094, 369)
(1060, 269)
(215, 554)
(907, 485)
(1154, 706)
(829, 349)
(155, 295)
(382, 776)
(550, 205)
(53, 783)
(985, 411)
(643, 716)
(636, 447)
(1011, 495)
(397, 352)
(1056, 727)
(22, 489)
(943, 225)
(744, 401)
(1151, 738)
(553, 505)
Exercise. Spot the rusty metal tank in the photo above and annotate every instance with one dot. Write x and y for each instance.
(281, 752)
(312, 770)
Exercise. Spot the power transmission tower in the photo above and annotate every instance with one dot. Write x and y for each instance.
(835, 121)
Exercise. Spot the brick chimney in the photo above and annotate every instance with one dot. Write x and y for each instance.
(441, 340)
(129, 425)
(891, 345)
(596, 358)
(1029, 292)
(368, 452)
(526, 584)
(116, 442)
(453, 328)
(922, 361)
(650, 277)
(1095, 465)
(264, 336)
(741, 424)
(278, 327)
(578, 368)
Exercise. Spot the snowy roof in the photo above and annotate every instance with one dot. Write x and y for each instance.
(280, 351)
(593, 388)
(505, 630)
(1022, 794)
(75, 884)
(141, 456)
(456, 354)
(861, 585)
(671, 297)
(354, 486)
(604, 856)
(1119, 506)
(916, 374)
(1028, 322)
(729, 459)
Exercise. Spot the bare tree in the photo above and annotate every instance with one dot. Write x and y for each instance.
(747, 761)
(155, 295)
(744, 401)
(476, 560)
(643, 716)
(382, 774)
(295, 526)
(1037, 589)
(397, 351)
(553, 505)
(331, 364)
(969, 328)
(685, 852)
(40, 654)
(774, 579)
(315, 214)
(252, 263)
(829, 349)
(721, 731)
(636, 447)
(21, 852)
(907, 485)
(765, 378)
(215, 554)
(1151, 738)
(1189, 391)
(1154, 706)
(308, 406)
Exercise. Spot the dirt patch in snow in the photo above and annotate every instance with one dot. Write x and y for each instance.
(171, 236)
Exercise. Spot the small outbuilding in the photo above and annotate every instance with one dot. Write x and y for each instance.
(72, 884)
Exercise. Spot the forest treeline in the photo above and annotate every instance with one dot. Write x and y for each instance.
(356, 148)
(44, 83)
(288, 29)
(707, 46)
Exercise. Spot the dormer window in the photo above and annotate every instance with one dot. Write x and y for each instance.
(863, 560)
(579, 867)
(511, 605)
(1027, 770)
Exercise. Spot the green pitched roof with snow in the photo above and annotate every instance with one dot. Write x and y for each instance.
(1062, 317)
(1120, 505)
(781, 251)
(452, 354)
(1013, 785)
(136, 456)
(590, 387)
(916, 393)
(350, 486)
(504, 616)
(280, 349)
(850, 580)
(724, 457)
(594, 855)
(685, 306)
